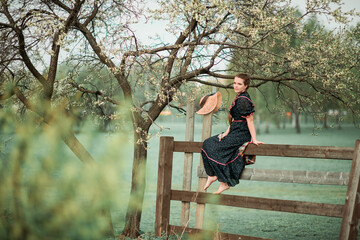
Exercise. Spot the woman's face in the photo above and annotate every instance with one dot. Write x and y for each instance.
(239, 85)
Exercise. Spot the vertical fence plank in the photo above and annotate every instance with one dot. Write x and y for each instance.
(200, 208)
(188, 159)
(349, 225)
(164, 185)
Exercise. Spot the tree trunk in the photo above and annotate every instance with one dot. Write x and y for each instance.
(20, 229)
(326, 121)
(258, 123)
(78, 149)
(297, 121)
(284, 122)
(339, 120)
(138, 182)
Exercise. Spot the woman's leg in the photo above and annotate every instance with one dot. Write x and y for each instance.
(223, 186)
(209, 181)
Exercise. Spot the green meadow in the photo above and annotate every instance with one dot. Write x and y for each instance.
(266, 224)
(64, 178)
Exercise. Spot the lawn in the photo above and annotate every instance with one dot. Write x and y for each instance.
(267, 224)
(261, 223)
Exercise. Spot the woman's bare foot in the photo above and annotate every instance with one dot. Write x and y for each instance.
(223, 186)
(209, 181)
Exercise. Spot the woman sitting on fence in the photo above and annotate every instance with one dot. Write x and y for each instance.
(222, 154)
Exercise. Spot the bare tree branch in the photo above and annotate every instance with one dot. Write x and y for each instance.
(22, 48)
(97, 92)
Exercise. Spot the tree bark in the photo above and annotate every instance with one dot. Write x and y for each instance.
(284, 122)
(297, 121)
(258, 123)
(278, 119)
(20, 230)
(339, 120)
(138, 183)
(326, 120)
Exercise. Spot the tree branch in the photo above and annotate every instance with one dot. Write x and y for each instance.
(180, 40)
(97, 92)
(71, 19)
(62, 5)
(92, 15)
(209, 83)
(22, 50)
(124, 84)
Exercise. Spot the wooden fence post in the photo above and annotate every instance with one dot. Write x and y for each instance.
(188, 159)
(200, 208)
(164, 185)
(349, 225)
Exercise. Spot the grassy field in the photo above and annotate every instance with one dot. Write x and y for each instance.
(117, 148)
(260, 223)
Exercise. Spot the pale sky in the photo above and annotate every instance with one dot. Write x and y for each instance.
(330, 23)
(144, 31)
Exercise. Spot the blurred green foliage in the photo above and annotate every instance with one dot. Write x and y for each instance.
(45, 191)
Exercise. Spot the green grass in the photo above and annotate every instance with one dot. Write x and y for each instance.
(261, 223)
(105, 147)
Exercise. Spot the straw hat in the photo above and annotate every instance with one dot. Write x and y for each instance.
(210, 103)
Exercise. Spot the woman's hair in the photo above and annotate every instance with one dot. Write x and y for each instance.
(246, 78)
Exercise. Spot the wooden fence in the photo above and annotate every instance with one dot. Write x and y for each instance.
(349, 212)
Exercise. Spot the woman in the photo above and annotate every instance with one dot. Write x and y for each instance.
(220, 154)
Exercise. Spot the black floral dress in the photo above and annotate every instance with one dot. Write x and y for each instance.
(223, 159)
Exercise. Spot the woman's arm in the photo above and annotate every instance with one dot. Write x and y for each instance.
(251, 126)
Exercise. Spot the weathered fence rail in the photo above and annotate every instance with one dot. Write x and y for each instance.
(301, 151)
(349, 212)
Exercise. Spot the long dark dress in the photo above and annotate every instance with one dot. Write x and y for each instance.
(223, 159)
